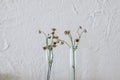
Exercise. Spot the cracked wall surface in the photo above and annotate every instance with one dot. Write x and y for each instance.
(21, 54)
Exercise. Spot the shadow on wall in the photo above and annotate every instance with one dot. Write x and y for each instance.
(9, 77)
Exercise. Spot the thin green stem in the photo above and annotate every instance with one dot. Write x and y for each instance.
(50, 62)
(79, 35)
(73, 53)
(70, 36)
(74, 43)
(73, 66)
(65, 42)
(52, 39)
(47, 42)
(44, 33)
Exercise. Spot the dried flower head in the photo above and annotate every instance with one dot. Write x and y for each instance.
(56, 37)
(54, 42)
(85, 31)
(44, 48)
(80, 27)
(77, 40)
(67, 32)
(49, 37)
(39, 31)
(62, 42)
(53, 33)
(53, 29)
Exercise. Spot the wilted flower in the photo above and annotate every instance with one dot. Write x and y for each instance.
(80, 27)
(77, 40)
(53, 33)
(49, 37)
(67, 32)
(53, 29)
(39, 31)
(54, 42)
(85, 30)
(44, 48)
(55, 37)
(62, 42)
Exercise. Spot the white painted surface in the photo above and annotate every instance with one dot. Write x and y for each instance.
(21, 55)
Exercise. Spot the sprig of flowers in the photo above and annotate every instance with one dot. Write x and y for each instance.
(51, 42)
(74, 42)
(74, 45)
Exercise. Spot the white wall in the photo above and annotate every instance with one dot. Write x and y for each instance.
(21, 54)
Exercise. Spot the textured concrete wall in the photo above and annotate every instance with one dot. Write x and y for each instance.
(21, 55)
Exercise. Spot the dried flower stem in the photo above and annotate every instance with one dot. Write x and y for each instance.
(50, 62)
(50, 44)
(64, 42)
(73, 53)
(73, 46)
